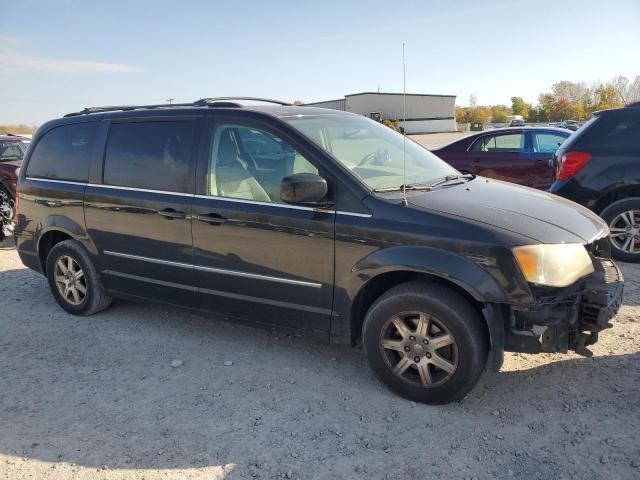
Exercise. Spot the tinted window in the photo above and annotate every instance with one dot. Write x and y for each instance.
(547, 142)
(151, 155)
(513, 142)
(249, 163)
(616, 133)
(63, 153)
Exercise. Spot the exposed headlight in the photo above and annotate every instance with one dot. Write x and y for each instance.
(553, 265)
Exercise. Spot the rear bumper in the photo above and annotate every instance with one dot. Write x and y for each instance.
(571, 321)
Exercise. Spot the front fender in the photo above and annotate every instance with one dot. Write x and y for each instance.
(491, 279)
(453, 267)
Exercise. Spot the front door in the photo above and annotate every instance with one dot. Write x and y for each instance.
(256, 257)
(502, 156)
(138, 210)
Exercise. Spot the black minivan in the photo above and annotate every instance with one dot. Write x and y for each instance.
(301, 218)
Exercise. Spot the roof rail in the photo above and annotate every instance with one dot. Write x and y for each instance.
(203, 102)
(124, 108)
(210, 100)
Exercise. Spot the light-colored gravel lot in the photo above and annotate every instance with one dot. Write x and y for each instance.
(97, 397)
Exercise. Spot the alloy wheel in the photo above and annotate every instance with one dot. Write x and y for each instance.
(419, 349)
(625, 231)
(70, 280)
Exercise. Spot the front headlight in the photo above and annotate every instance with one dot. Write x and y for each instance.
(553, 265)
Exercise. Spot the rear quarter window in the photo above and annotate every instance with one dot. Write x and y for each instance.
(63, 153)
(616, 133)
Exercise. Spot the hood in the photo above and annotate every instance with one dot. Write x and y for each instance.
(539, 215)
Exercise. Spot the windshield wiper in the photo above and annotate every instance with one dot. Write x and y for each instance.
(451, 178)
(403, 187)
(425, 186)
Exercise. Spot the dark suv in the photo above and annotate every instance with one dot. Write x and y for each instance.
(599, 167)
(301, 218)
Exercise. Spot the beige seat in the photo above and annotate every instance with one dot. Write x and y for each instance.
(233, 178)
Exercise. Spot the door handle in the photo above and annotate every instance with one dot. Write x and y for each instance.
(170, 213)
(211, 218)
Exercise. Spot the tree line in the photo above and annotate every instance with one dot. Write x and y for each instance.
(566, 101)
(18, 129)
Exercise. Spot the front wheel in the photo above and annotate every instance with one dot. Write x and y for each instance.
(425, 342)
(623, 218)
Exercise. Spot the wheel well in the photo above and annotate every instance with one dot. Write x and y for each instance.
(47, 242)
(615, 195)
(385, 281)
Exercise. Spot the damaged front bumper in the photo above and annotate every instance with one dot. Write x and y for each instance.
(568, 319)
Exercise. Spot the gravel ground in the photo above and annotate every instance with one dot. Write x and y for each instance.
(148, 392)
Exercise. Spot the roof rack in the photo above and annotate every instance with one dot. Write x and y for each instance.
(203, 102)
(208, 101)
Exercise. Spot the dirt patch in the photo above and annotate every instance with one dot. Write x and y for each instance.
(145, 391)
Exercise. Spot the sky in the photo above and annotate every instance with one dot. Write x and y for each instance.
(60, 56)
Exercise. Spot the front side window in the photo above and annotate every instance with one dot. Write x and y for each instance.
(149, 155)
(510, 143)
(373, 152)
(547, 142)
(249, 163)
(63, 153)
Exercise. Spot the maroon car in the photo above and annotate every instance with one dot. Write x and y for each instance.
(12, 150)
(518, 155)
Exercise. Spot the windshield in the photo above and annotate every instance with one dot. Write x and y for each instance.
(11, 150)
(372, 151)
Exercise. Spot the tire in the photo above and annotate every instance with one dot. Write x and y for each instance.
(94, 298)
(615, 218)
(442, 309)
(7, 212)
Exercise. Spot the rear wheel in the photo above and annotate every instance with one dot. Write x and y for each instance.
(623, 218)
(425, 342)
(74, 281)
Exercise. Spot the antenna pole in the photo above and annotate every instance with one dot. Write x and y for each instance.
(404, 131)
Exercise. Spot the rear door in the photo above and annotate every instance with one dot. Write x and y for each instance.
(542, 146)
(502, 156)
(138, 207)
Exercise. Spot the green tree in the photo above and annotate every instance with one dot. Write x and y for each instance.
(519, 107)
(499, 113)
(461, 115)
(606, 96)
(532, 113)
(480, 115)
(545, 107)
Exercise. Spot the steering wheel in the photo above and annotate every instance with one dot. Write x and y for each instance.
(378, 157)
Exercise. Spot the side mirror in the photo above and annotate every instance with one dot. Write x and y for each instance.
(303, 188)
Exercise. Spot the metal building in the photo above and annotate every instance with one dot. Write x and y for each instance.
(425, 113)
